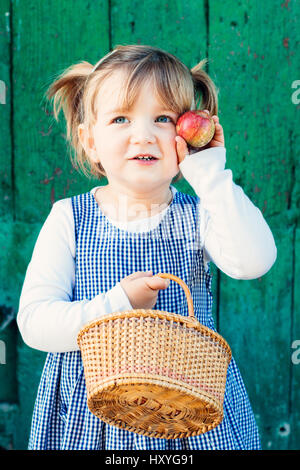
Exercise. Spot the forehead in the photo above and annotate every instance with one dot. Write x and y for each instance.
(110, 95)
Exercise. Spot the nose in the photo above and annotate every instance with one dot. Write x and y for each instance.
(142, 133)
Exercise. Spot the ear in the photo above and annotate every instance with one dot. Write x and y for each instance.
(87, 141)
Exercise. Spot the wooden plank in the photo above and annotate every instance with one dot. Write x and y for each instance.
(253, 57)
(295, 353)
(19, 376)
(28, 382)
(48, 38)
(294, 405)
(17, 241)
(6, 198)
(8, 357)
(8, 415)
(168, 25)
(255, 319)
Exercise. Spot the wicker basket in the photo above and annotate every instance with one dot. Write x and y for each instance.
(155, 373)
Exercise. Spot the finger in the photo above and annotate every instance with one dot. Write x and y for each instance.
(182, 148)
(218, 127)
(218, 130)
(156, 282)
(139, 274)
(218, 139)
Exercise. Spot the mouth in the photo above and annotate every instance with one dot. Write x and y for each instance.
(145, 159)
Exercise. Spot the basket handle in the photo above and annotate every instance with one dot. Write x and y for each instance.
(185, 288)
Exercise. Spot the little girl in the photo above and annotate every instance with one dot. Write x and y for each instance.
(98, 252)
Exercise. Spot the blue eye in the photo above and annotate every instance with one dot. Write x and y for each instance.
(166, 117)
(119, 117)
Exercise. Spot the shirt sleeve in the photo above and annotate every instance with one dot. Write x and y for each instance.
(47, 318)
(234, 233)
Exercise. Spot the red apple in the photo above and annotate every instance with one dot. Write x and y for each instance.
(196, 127)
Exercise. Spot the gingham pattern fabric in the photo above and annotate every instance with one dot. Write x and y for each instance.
(104, 255)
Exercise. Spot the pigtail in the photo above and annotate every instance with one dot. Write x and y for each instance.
(66, 92)
(205, 87)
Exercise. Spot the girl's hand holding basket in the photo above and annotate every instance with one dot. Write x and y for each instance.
(142, 288)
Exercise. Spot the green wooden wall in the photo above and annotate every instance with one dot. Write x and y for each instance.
(253, 51)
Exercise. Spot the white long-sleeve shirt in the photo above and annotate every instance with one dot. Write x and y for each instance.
(233, 234)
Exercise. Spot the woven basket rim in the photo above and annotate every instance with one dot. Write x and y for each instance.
(190, 322)
(160, 435)
(164, 435)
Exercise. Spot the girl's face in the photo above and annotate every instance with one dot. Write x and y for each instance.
(117, 137)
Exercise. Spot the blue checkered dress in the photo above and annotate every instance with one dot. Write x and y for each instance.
(104, 255)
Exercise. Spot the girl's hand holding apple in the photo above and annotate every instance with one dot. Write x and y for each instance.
(184, 148)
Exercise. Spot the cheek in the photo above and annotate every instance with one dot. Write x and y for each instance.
(170, 141)
(173, 145)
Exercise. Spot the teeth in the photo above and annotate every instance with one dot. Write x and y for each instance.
(145, 158)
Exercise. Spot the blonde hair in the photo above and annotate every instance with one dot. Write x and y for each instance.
(75, 91)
